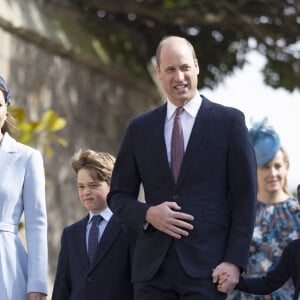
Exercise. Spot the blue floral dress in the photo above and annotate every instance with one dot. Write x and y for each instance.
(276, 225)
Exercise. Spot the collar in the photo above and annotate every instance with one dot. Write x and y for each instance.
(190, 107)
(8, 144)
(105, 214)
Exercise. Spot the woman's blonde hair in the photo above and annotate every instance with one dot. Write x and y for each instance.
(287, 161)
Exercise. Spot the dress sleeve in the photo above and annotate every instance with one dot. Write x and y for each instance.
(36, 223)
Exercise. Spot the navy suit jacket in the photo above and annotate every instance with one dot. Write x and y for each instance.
(109, 276)
(217, 184)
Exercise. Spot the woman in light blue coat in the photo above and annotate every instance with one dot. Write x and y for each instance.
(23, 274)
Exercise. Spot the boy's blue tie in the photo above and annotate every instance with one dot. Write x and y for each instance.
(93, 237)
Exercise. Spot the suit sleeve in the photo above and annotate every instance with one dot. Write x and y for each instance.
(272, 281)
(62, 283)
(125, 185)
(242, 189)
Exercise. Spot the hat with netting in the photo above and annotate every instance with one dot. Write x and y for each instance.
(7, 90)
(265, 140)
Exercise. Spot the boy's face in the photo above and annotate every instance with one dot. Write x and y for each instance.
(92, 193)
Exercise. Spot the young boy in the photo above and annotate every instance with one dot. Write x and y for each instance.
(94, 259)
(287, 267)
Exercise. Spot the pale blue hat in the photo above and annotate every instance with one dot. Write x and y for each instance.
(8, 91)
(265, 140)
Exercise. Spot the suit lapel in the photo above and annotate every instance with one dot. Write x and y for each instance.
(196, 138)
(9, 152)
(80, 242)
(161, 151)
(110, 234)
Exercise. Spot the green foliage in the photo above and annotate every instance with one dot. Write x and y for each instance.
(40, 134)
(222, 31)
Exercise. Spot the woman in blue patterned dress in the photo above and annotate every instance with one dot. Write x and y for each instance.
(278, 212)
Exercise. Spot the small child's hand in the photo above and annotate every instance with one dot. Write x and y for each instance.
(222, 278)
(226, 276)
(219, 276)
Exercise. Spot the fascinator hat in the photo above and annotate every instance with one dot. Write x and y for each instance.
(265, 140)
(7, 90)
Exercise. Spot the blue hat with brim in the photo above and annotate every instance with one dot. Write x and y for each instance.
(265, 140)
(8, 91)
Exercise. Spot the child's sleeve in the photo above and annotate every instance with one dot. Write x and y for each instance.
(272, 281)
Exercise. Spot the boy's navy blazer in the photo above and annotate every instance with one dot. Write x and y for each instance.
(109, 276)
(217, 184)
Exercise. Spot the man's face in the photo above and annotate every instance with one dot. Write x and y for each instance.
(178, 71)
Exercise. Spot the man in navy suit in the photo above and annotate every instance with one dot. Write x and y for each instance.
(105, 272)
(202, 220)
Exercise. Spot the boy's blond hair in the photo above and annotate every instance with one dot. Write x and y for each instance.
(99, 164)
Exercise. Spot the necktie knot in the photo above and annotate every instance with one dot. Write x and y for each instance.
(96, 220)
(178, 111)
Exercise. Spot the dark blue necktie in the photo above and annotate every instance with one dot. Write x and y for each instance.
(93, 237)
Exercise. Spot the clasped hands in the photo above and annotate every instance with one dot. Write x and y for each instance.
(226, 276)
(167, 218)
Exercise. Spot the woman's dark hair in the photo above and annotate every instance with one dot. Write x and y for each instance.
(10, 124)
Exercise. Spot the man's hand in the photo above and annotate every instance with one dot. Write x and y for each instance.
(226, 275)
(166, 218)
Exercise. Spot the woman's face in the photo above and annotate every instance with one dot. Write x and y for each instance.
(271, 176)
(3, 109)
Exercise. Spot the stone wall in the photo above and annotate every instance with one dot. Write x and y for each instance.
(97, 109)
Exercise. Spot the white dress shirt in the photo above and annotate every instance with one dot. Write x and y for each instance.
(187, 118)
(106, 214)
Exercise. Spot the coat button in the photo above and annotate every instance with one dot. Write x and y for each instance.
(175, 197)
(89, 279)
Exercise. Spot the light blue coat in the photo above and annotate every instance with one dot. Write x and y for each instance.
(22, 189)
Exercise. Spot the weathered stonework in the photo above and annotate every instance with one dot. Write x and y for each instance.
(97, 108)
